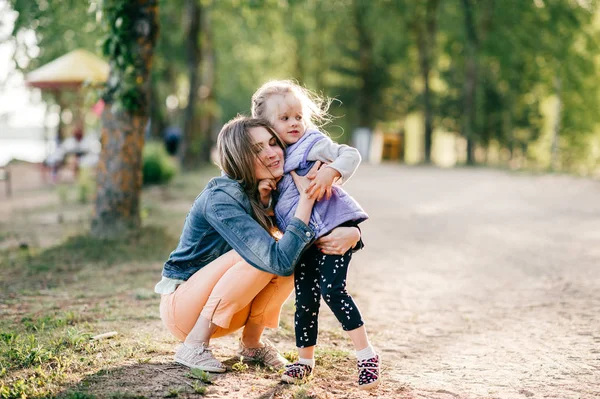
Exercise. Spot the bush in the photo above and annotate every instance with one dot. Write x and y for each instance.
(159, 167)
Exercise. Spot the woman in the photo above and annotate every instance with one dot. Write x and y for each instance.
(228, 271)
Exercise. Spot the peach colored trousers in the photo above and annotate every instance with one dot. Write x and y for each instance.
(230, 293)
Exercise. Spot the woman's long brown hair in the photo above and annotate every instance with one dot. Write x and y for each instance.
(236, 154)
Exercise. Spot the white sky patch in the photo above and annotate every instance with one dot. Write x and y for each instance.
(19, 105)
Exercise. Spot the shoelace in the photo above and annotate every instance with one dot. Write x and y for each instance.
(368, 371)
(200, 350)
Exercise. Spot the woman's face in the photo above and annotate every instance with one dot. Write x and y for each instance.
(268, 163)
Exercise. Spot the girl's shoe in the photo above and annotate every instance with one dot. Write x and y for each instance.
(198, 358)
(368, 373)
(296, 372)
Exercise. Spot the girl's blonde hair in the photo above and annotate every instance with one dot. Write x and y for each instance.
(314, 107)
(236, 155)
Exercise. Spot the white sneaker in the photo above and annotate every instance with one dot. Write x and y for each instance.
(199, 358)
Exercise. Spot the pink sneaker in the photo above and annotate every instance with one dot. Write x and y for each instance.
(296, 372)
(368, 373)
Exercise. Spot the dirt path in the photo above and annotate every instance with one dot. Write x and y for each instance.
(474, 283)
(480, 283)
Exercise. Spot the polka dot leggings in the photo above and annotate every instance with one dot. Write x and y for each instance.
(323, 275)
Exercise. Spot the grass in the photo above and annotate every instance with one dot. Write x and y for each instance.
(58, 296)
(65, 287)
(201, 375)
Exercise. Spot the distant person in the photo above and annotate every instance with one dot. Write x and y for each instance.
(228, 270)
(294, 111)
(172, 138)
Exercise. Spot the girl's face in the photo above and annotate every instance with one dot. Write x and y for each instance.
(268, 163)
(285, 112)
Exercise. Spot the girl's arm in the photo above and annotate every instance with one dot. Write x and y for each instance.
(343, 158)
(342, 162)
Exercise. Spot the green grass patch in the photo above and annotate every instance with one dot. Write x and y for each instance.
(149, 244)
(201, 375)
(327, 357)
(65, 286)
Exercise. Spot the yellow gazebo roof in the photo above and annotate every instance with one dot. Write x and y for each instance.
(70, 70)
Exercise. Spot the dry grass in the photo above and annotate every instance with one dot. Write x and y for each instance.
(55, 296)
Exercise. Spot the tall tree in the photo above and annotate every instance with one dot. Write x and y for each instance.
(424, 28)
(132, 34)
(207, 91)
(366, 95)
(192, 18)
(471, 64)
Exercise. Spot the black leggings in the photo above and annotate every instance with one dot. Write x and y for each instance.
(319, 274)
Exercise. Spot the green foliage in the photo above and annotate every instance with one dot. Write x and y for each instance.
(59, 26)
(158, 166)
(199, 388)
(128, 26)
(203, 376)
(291, 356)
(44, 357)
(240, 366)
(50, 321)
(365, 54)
(173, 393)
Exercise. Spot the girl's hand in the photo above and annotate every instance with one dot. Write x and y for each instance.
(339, 241)
(303, 182)
(265, 187)
(321, 185)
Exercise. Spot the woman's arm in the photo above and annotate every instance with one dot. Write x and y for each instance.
(225, 212)
(305, 202)
(339, 241)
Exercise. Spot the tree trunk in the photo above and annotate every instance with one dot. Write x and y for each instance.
(554, 160)
(207, 92)
(189, 145)
(60, 129)
(470, 88)
(365, 99)
(426, 31)
(119, 173)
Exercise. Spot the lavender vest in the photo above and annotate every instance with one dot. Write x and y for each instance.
(326, 214)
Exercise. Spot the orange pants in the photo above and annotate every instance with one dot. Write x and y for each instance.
(229, 292)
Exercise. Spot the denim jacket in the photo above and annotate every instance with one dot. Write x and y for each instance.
(220, 220)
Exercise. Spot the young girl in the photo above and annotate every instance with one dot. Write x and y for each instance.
(293, 111)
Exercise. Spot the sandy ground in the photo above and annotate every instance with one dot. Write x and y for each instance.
(474, 283)
(481, 283)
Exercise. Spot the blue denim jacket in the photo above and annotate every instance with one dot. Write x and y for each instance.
(220, 220)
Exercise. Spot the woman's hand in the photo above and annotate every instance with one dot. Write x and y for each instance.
(339, 241)
(265, 187)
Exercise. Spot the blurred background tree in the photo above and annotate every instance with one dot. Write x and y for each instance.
(509, 83)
